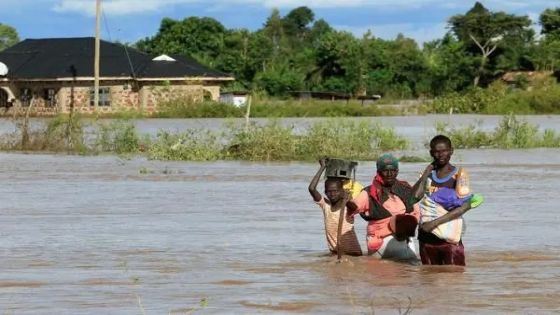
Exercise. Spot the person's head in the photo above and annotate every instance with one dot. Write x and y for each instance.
(388, 169)
(441, 150)
(333, 189)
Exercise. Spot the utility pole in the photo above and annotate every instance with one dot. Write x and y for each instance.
(96, 57)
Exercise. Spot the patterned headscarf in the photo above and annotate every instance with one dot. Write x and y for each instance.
(386, 160)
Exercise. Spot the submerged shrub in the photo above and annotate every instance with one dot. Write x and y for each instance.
(515, 133)
(349, 139)
(262, 142)
(467, 137)
(191, 145)
(61, 133)
(118, 136)
(511, 133)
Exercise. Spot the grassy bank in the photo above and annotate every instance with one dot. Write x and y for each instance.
(499, 99)
(275, 108)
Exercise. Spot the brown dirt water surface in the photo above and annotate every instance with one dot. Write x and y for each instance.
(93, 235)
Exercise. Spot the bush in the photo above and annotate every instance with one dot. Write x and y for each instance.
(542, 97)
(186, 108)
(265, 143)
(467, 137)
(118, 136)
(349, 140)
(192, 145)
(511, 133)
(316, 108)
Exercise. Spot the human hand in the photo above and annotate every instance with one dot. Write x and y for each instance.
(429, 168)
(346, 199)
(428, 226)
(346, 195)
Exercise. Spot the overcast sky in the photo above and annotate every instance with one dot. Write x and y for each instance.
(130, 20)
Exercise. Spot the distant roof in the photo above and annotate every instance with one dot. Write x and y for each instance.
(53, 58)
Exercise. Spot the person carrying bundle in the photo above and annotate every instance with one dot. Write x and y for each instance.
(333, 206)
(389, 206)
(446, 197)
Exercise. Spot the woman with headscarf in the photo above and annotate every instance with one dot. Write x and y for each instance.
(388, 205)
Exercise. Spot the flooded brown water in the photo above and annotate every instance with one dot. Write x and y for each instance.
(103, 235)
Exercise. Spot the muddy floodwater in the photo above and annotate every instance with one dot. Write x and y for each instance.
(106, 235)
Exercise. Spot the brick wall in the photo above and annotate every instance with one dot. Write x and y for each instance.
(124, 95)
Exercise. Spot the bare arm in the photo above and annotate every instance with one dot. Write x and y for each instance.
(351, 207)
(451, 215)
(313, 184)
(418, 188)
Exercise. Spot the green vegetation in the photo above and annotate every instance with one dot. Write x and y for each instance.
(273, 141)
(461, 72)
(350, 140)
(8, 36)
(64, 133)
(269, 142)
(543, 97)
(185, 108)
(267, 107)
(298, 51)
(118, 136)
(192, 145)
(511, 133)
(263, 143)
(317, 108)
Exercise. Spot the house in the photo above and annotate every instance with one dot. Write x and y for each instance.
(236, 98)
(56, 75)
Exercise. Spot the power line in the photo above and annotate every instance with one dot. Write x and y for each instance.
(106, 24)
(124, 45)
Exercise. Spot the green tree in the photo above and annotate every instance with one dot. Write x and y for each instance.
(550, 22)
(8, 36)
(274, 29)
(487, 30)
(546, 54)
(319, 28)
(296, 22)
(201, 38)
(449, 67)
(279, 80)
(337, 61)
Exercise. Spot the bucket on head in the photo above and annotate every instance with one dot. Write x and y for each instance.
(340, 168)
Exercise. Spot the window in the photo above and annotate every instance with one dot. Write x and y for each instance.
(25, 96)
(104, 96)
(4, 98)
(50, 97)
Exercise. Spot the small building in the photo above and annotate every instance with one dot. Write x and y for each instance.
(56, 75)
(236, 98)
